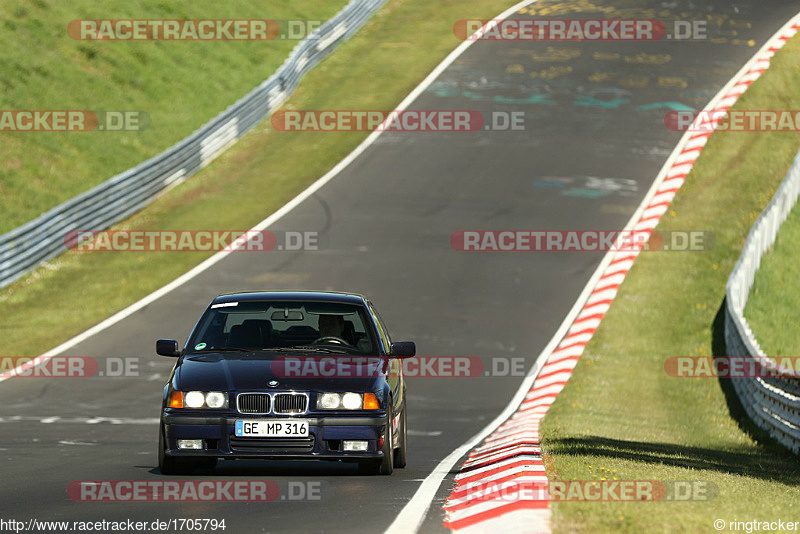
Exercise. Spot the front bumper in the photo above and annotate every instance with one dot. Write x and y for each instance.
(326, 434)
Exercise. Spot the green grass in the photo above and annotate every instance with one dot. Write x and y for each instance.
(180, 85)
(381, 64)
(775, 298)
(621, 415)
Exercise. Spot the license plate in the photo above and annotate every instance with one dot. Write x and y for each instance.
(287, 428)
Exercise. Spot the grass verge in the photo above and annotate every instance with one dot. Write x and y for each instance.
(381, 64)
(621, 415)
(180, 85)
(774, 300)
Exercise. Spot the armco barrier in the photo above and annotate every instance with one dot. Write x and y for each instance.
(24, 248)
(772, 403)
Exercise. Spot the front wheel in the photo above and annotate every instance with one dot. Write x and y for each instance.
(385, 465)
(169, 465)
(400, 452)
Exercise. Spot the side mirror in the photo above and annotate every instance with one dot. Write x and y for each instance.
(167, 347)
(403, 349)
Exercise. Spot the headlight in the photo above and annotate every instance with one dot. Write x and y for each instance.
(215, 399)
(194, 399)
(329, 401)
(200, 399)
(351, 401)
(347, 401)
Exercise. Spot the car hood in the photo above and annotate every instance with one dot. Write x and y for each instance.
(253, 371)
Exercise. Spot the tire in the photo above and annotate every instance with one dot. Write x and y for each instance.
(169, 465)
(400, 452)
(385, 465)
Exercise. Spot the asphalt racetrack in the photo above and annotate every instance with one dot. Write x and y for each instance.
(593, 142)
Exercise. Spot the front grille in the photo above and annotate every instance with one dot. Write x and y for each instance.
(253, 403)
(290, 403)
(272, 445)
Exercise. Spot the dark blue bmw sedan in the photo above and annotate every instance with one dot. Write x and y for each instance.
(285, 375)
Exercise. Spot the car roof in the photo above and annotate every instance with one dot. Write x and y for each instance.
(318, 296)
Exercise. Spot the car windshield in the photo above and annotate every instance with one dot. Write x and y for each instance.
(283, 326)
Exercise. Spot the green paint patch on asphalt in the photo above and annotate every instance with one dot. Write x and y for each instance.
(621, 417)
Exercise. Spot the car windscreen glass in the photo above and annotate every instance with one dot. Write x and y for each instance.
(274, 325)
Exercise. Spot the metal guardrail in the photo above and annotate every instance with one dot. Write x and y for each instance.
(41, 239)
(773, 403)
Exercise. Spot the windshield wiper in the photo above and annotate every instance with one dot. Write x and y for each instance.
(303, 348)
(326, 349)
(227, 349)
